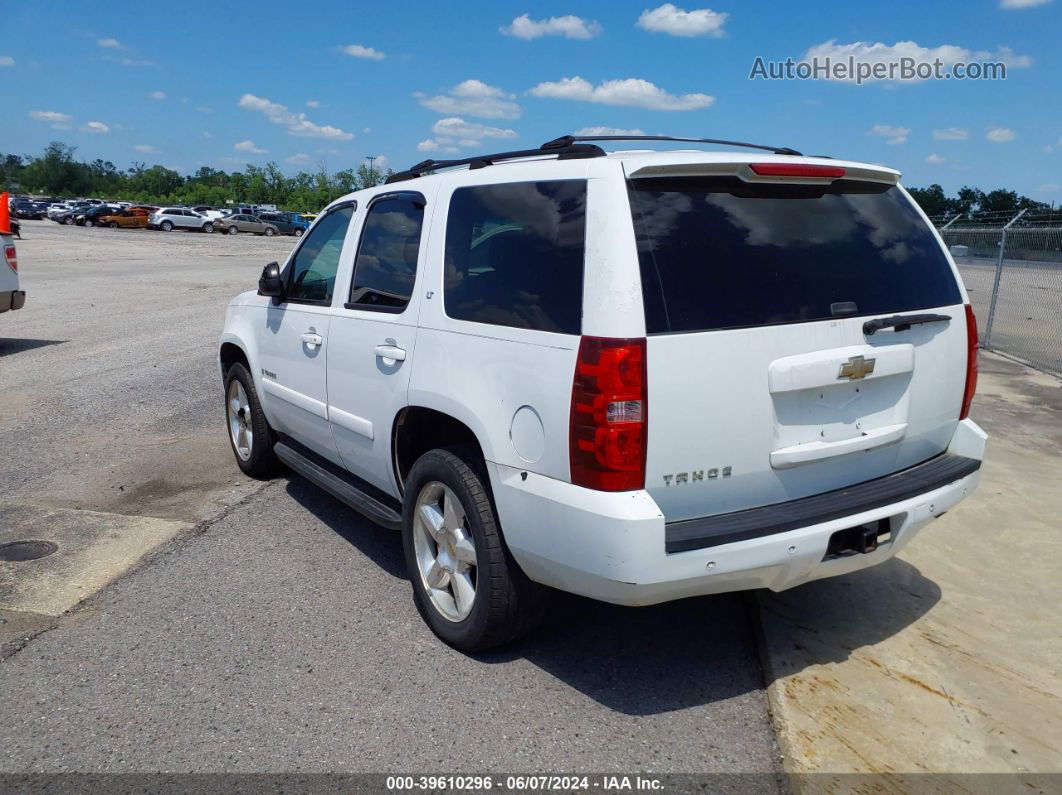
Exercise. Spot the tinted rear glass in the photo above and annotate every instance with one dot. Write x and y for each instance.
(514, 255)
(720, 253)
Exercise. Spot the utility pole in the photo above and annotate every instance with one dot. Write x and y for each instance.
(372, 171)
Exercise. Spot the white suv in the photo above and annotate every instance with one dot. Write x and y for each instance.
(169, 218)
(637, 376)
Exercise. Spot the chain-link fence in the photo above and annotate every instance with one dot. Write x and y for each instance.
(1012, 266)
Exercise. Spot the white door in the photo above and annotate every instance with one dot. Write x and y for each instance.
(373, 334)
(294, 342)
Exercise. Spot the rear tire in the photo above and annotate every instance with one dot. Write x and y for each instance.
(250, 436)
(166, 226)
(472, 606)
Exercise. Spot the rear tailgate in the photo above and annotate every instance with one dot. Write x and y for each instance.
(763, 384)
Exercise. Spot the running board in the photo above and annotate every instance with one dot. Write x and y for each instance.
(338, 487)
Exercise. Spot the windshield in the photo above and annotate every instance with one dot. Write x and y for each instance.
(719, 253)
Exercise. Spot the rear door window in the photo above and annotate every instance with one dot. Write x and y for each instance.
(514, 255)
(718, 253)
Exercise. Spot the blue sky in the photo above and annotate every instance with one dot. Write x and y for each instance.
(210, 84)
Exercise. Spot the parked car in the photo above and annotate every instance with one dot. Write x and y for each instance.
(170, 218)
(91, 216)
(135, 218)
(284, 223)
(26, 210)
(11, 297)
(696, 372)
(246, 223)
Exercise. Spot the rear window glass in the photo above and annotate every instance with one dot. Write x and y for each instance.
(719, 253)
(514, 255)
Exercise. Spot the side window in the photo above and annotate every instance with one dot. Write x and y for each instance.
(514, 255)
(386, 267)
(314, 265)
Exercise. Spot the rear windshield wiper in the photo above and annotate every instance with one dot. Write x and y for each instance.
(901, 322)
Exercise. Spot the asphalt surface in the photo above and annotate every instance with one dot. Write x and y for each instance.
(278, 633)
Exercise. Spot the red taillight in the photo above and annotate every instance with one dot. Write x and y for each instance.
(796, 170)
(971, 362)
(607, 439)
(12, 259)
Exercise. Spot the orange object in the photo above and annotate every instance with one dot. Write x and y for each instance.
(5, 215)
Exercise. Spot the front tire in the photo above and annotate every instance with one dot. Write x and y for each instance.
(68, 221)
(232, 230)
(208, 228)
(250, 436)
(269, 231)
(298, 233)
(113, 224)
(466, 584)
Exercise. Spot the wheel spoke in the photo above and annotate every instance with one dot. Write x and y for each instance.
(465, 551)
(435, 576)
(234, 406)
(453, 514)
(433, 522)
(464, 592)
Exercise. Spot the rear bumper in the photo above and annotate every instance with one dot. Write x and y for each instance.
(613, 547)
(14, 299)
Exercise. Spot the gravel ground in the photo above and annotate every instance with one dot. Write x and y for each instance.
(281, 634)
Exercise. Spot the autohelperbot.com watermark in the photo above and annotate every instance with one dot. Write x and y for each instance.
(856, 70)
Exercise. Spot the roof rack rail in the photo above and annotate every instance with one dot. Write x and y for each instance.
(563, 152)
(571, 140)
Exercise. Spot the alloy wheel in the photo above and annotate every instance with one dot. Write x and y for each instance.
(239, 411)
(445, 551)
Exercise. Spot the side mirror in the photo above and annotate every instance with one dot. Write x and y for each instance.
(271, 284)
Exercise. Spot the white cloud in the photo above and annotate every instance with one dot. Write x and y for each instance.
(1000, 135)
(1011, 5)
(130, 61)
(297, 123)
(631, 93)
(473, 98)
(934, 159)
(951, 134)
(312, 103)
(301, 159)
(452, 134)
(110, 44)
(144, 148)
(49, 115)
(360, 51)
(879, 52)
(893, 135)
(97, 127)
(157, 95)
(679, 22)
(569, 26)
(249, 146)
(6, 60)
(608, 131)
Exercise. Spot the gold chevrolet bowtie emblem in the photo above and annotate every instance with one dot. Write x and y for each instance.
(857, 367)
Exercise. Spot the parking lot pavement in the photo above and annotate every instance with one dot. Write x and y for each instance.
(284, 638)
(946, 658)
(270, 629)
(112, 406)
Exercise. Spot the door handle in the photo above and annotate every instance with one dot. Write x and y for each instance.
(391, 352)
(312, 339)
